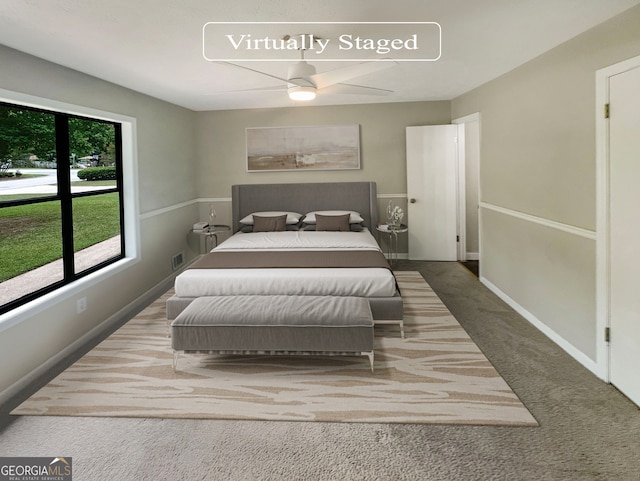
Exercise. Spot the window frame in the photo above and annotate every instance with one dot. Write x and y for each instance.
(126, 187)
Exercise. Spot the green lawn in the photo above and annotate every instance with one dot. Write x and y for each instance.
(85, 183)
(30, 234)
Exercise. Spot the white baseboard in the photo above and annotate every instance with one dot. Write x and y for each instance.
(97, 333)
(473, 256)
(569, 348)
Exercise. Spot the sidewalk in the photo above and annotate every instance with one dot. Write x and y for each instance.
(35, 279)
(50, 189)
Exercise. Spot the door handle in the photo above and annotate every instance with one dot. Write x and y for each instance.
(412, 200)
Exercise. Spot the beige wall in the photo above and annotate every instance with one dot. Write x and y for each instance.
(222, 154)
(538, 159)
(166, 181)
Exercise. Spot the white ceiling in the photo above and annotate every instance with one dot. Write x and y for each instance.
(155, 46)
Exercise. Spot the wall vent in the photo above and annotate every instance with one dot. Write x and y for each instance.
(177, 260)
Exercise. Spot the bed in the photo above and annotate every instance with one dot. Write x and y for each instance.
(294, 261)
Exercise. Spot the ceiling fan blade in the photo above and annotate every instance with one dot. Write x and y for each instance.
(355, 90)
(259, 89)
(292, 81)
(275, 88)
(331, 77)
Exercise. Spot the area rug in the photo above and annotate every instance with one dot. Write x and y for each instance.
(435, 375)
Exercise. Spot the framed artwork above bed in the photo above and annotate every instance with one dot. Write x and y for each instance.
(321, 147)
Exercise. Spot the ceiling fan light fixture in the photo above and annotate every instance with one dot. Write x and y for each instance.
(302, 93)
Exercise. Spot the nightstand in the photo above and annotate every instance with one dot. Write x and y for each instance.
(392, 240)
(211, 232)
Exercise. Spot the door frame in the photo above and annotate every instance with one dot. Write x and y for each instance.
(462, 188)
(603, 264)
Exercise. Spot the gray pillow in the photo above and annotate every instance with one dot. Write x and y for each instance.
(245, 228)
(333, 222)
(269, 224)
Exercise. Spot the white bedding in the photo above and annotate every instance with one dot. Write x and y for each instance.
(300, 240)
(363, 282)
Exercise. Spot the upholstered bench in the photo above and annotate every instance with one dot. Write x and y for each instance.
(274, 325)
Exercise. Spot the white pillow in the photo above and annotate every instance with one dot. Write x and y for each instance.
(354, 217)
(292, 217)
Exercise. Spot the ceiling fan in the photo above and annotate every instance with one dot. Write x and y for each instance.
(303, 82)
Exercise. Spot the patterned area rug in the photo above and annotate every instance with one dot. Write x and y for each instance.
(436, 375)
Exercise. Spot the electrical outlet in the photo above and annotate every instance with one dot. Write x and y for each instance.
(82, 304)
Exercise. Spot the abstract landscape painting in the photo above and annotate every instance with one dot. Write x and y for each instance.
(325, 147)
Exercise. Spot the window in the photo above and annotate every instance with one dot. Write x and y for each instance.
(61, 200)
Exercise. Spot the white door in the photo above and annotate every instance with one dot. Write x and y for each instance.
(624, 233)
(432, 189)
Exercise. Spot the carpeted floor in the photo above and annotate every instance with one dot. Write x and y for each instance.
(436, 375)
(588, 431)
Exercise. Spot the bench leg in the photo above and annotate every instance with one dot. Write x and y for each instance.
(370, 356)
(175, 360)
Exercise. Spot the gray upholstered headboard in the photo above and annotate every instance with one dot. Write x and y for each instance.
(307, 197)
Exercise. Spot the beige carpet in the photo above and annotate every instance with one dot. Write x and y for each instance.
(436, 375)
